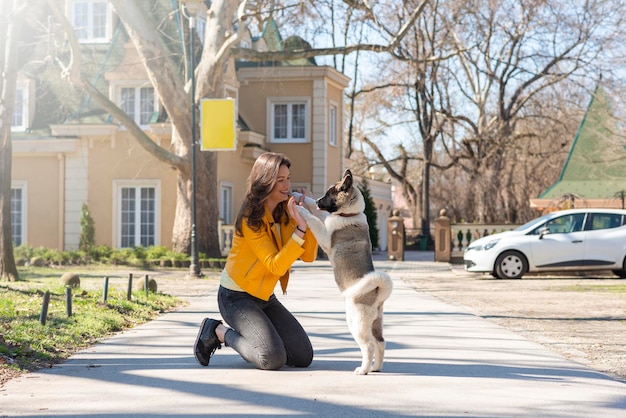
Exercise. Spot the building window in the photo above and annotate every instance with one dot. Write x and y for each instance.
(18, 215)
(226, 203)
(91, 20)
(137, 216)
(332, 125)
(20, 111)
(138, 103)
(288, 120)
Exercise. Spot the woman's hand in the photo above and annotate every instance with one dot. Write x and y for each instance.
(292, 207)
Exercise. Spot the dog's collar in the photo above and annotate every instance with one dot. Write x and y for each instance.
(347, 215)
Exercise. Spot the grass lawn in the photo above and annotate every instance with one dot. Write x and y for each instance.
(26, 344)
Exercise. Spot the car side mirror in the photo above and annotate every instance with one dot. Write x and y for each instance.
(543, 231)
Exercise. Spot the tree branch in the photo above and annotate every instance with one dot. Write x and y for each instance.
(72, 71)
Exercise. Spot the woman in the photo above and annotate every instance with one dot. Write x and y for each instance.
(270, 235)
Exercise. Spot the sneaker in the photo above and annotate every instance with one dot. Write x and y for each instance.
(207, 341)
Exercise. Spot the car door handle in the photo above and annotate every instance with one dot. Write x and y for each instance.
(578, 241)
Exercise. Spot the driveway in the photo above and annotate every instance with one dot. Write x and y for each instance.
(441, 360)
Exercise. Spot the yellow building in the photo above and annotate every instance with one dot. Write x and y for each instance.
(59, 165)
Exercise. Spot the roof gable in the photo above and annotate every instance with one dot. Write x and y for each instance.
(595, 167)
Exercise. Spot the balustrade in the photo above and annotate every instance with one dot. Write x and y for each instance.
(225, 236)
(461, 235)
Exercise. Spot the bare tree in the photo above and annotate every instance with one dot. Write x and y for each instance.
(490, 96)
(512, 53)
(413, 92)
(419, 53)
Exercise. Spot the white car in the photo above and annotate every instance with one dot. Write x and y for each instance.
(575, 239)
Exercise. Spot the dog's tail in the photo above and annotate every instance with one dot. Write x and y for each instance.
(369, 282)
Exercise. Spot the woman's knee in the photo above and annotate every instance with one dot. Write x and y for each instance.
(301, 359)
(271, 360)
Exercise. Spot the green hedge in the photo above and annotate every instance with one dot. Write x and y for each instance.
(103, 254)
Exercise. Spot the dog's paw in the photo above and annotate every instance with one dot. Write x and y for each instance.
(360, 370)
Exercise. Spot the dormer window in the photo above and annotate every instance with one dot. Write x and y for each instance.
(91, 20)
(19, 122)
(139, 103)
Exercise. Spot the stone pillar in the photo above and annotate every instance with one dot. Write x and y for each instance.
(395, 237)
(443, 251)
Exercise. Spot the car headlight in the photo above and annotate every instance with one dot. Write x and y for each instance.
(484, 247)
(491, 244)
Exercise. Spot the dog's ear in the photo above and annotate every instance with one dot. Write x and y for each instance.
(346, 182)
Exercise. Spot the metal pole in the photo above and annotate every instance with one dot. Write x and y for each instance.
(68, 301)
(44, 308)
(129, 290)
(105, 291)
(194, 267)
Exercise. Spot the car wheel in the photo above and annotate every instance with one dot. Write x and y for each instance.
(621, 273)
(511, 265)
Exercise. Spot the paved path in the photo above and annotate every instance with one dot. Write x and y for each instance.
(441, 361)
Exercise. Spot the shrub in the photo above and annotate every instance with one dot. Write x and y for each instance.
(121, 256)
(136, 256)
(101, 253)
(139, 253)
(76, 257)
(158, 252)
(23, 251)
(57, 257)
(87, 230)
(370, 212)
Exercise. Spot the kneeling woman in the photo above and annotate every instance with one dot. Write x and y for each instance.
(269, 236)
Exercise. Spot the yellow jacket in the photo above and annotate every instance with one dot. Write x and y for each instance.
(258, 260)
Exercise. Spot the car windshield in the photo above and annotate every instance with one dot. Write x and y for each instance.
(534, 222)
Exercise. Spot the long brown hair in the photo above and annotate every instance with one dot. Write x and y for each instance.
(261, 181)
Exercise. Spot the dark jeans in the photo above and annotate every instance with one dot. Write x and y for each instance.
(265, 334)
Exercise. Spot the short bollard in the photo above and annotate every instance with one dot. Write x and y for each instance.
(68, 301)
(105, 290)
(44, 308)
(129, 292)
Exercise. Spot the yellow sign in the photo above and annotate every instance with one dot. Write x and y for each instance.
(217, 124)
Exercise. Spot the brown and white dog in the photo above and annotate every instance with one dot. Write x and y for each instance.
(341, 229)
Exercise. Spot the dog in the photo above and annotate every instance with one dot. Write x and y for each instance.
(338, 222)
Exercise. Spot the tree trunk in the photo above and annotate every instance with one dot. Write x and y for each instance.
(488, 204)
(412, 199)
(177, 102)
(8, 64)
(206, 215)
